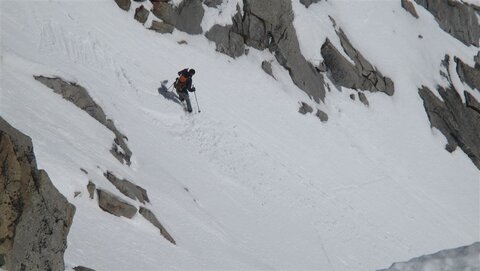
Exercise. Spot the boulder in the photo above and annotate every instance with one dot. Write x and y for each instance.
(114, 205)
(190, 15)
(187, 17)
(456, 18)
(305, 108)
(123, 4)
(363, 98)
(79, 96)
(35, 217)
(408, 6)
(227, 42)
(82, 268)
(141, 14)
(166, 12)
(267, 67)
(212, 3)
(148, 215)
(161, 27)
(307, 3)
(128, 188)
(91, 189)
(321, 115)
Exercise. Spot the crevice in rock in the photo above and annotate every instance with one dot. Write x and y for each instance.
(79, 96)
(128, 188)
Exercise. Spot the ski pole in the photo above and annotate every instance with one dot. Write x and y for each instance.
(197, 101)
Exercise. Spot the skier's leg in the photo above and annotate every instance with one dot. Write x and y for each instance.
(189, 105)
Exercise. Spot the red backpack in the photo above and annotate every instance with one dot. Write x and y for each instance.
(181, 83)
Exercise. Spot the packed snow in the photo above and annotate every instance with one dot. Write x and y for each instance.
(248, 183)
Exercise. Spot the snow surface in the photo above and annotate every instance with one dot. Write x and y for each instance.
(248, 183)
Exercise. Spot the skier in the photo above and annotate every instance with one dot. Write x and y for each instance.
(183, 85)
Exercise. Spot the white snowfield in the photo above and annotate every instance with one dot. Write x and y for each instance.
(248, 183)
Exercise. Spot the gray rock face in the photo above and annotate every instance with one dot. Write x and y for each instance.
(269, 25)
(456, 18)
(187, 17)
(128, 188)
(471, 102)
(305, 108)
(166, 12)
(161, 27)
(457, 122)
(363, 98)
(141, 14)
(212, 3)
(267, 67)
(307, 3)
(82, 268)
(190, 15)
(35, 218)
(227, 42)
(123, 4)
(469, 75)
(408, 6)
(321, 115)
(79, 96)
(148, 215)
(91, 189)
(362, 75)
(462, 258)
(114, 205)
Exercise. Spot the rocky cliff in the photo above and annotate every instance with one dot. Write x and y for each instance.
(35, 217)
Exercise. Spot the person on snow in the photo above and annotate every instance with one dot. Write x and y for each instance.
(183, 85)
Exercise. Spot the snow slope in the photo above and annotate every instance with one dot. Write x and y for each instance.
(248, 183)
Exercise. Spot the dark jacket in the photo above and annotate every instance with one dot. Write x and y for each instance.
(188, 85)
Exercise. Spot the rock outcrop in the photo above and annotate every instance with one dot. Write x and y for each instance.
(459, 123)
(456, 18)
(34, 217)
(141, 14)
(187, 17)
(114, 205)
(161, 27)
(123, 4)
(269, 25)
(408, 6)
(227, 41)
(267, 67)
(305, 108)
(462, 258)
(128, 188)
(148, 215)
(361, 76)
(469, 75)
(212, 3)
(307, 3)
(79, 96)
